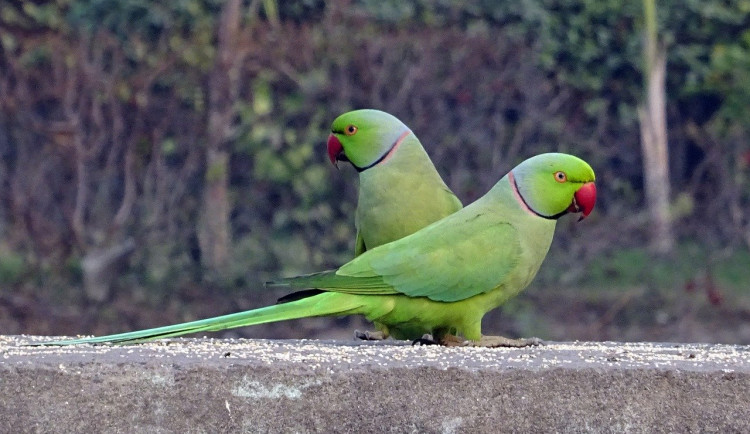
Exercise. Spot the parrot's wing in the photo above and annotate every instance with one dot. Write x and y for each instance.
(448, 262)
(459, 261)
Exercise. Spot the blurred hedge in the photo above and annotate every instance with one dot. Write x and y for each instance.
(106, 97)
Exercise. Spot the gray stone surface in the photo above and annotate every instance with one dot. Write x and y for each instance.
(206, 385)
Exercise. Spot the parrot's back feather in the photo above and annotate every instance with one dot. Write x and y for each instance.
(333, 282)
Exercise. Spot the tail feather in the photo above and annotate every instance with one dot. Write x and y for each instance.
(304, 281)
(325, 304)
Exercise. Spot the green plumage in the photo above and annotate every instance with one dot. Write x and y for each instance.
(401, 193)
(441, 279)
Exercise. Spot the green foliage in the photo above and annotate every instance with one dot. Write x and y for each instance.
(730, 76)
(145, 18)
(593, 46)
(215, 171)
(632, 267)
(13, 268)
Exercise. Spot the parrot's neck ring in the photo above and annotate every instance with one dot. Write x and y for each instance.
(388, 154)
(525, 205)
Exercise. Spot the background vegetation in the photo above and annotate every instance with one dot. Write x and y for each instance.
(160, 160)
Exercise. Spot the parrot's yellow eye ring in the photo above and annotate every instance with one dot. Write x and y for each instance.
(350, 130)
(561, 177)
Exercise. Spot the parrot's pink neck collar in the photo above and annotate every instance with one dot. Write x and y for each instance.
(387, 156)
(517, 195)
(524, 204)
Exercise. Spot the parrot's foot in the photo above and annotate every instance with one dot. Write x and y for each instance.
(445, 340)
(426, 339)
(453, 341)
(499, 341)
(369, 336)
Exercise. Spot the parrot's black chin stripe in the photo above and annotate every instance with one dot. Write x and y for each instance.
(514, 186)
(387, 153)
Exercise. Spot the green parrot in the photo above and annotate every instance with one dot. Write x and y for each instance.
(440, 280)
(400, 191)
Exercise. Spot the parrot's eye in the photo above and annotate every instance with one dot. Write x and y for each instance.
(350, 130)
(561, 177)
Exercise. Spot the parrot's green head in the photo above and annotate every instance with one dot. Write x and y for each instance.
(365, 138)
(552, 185)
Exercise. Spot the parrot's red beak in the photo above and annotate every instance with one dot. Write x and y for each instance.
(335, 150)
(584, 200)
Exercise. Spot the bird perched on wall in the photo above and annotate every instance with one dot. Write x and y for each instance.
(400, 191)
(441, 280)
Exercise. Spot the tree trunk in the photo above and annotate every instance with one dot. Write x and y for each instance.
(653, 121)
(213, 230)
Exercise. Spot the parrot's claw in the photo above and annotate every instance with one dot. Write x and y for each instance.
(369, 336)
(445, 340)
(500, 341)
(453, 341)
(426, 339)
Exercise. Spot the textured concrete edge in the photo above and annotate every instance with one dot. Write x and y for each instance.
(314, 386)
(353, 355)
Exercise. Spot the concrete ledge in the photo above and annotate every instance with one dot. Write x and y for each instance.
(205, 385)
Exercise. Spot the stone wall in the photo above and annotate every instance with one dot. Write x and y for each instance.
(206, 385)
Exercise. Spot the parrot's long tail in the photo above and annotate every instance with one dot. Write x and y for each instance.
(324, 304)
